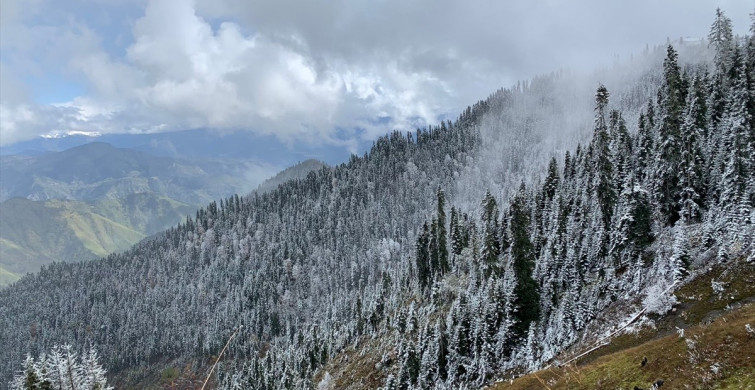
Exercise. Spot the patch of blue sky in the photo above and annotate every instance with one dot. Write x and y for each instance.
(54, 88)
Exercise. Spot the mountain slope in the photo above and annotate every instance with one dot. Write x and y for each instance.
(34, 233)
(95, 199)
(97, 171)
(715, 349)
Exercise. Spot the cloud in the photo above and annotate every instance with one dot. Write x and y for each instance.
(329, 71)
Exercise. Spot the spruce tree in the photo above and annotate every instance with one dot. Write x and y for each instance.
(739, 148)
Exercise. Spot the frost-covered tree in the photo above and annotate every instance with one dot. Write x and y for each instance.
(62, 368)
(527, 296)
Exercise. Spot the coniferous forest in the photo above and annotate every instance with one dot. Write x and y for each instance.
(387, 255)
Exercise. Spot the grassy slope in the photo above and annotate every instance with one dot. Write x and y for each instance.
(36, 233)
(714, 335)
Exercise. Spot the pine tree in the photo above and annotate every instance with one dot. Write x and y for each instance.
(457, 242)
(620, 148)
(644, 149)
(680, 258)
(734, 201)
(551, 180)
(434, 248)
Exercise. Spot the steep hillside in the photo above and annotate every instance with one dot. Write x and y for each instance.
(704, 343)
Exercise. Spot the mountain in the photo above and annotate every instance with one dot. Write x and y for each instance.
(98, 171)
(196, 144)
(538, 227)
(35, 233)
(95, 199)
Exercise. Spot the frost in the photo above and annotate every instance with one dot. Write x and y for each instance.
(718, 287)
(326, 383)
(658, 300)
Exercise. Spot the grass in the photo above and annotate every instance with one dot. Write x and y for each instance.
(355, 368)
(36, 233)
(718, 355)
(716, 351)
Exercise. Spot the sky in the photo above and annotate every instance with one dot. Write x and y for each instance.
(325, 72)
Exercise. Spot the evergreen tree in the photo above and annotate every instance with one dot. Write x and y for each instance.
(644, 149)
(550, 186)
(680, 258)
(692, 162)
(526, 291)
(734, 200)
(668, 156)
(442, 234)
(457, 242)
(491, 248)
(601, 157)
(721, 39)
(620, 148)
(422, 257)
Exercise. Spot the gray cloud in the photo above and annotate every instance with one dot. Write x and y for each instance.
(301, 69)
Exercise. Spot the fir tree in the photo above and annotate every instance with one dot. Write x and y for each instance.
(734, 201)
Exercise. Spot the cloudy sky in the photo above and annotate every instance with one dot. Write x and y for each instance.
(311, 71)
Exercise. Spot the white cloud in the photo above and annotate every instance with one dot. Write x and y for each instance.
(301, 70)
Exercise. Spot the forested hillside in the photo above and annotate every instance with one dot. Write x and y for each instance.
(385, 266)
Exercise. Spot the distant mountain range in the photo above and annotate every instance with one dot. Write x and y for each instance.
(34, 233)
(100, 171)
(95, 199)
(197, 143)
